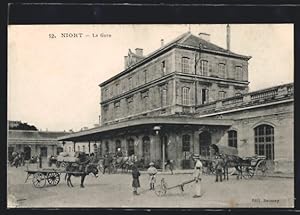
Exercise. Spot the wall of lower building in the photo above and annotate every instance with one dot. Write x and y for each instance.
(280, 117)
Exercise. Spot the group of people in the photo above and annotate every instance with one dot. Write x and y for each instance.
(152, 171)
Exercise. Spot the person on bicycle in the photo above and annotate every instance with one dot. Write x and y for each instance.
(152, 171)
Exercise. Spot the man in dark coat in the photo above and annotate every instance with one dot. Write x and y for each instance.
(135, 179)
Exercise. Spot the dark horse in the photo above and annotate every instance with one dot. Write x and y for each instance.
(82, 168)
(228, 161)
(90, 168)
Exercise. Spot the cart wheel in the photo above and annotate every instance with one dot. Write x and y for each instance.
(261, 168)
(248, 172)
(39, 180)
(159, 191)
(53, 178)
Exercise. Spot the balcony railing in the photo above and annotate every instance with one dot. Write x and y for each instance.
(261, 96)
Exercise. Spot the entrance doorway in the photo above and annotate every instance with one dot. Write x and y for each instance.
(59, 150)
(204, 143)
(27, 153)
(146, 150)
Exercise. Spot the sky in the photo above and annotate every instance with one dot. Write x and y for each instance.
(53, 82)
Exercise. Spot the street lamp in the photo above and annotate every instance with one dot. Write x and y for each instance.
(157, 130)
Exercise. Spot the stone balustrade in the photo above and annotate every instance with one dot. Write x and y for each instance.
(272, 94)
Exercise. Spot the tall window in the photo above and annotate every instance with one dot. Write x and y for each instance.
(163, 67)
(130, 147)
(145, 100)
(83, 148)
(105, 94)
(222, 94)
(185, 96)
(186, 143)
(185, 63)
(204, 96)
(117, 109)
(164, 97)
(117, 89)
(232, 139)
(264, 141)
(238, 73)
(130, 83)
(145, 76)
(222, 70)
(204, 67)
(78, 148)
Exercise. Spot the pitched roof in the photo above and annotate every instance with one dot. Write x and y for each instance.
(184, 40)
(194, 41)
(24, 136)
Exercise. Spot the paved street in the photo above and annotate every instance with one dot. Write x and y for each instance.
(115, 191)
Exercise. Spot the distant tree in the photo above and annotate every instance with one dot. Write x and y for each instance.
(24, 126)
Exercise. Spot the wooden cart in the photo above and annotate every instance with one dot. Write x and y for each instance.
(162, 189)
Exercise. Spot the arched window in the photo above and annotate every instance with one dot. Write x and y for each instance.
(204, 143)
(83, 148)
(118, 144)
(106, 147)
(146, 149)
(78, 148)
(186, 143)
(264, 141)
(232, 138)
(130, 148)
(95, 148)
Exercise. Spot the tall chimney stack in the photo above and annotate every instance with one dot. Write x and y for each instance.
(162, 42)
(228, 37)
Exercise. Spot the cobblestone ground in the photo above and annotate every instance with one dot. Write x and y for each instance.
(115, 190)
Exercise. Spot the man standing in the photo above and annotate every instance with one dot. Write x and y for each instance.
(197, 176)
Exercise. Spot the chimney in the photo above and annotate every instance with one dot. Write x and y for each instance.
(228, 37)
(139, 52)
(162, 42)
(125, 62)
(205, 36)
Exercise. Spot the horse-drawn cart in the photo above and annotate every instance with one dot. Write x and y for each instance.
(41, 176)
(254, 166)
(162, 189)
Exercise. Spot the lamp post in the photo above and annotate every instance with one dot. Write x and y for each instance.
(157, 130)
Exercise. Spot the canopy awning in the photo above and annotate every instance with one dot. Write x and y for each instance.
(91, 134)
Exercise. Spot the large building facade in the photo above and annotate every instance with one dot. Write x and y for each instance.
(185, 96)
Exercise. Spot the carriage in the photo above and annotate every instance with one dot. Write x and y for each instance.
(254, 166)
(51, 176)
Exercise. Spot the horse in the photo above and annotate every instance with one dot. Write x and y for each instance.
(82, 167)
(228, 161)
(90, 168)
(16, 159)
